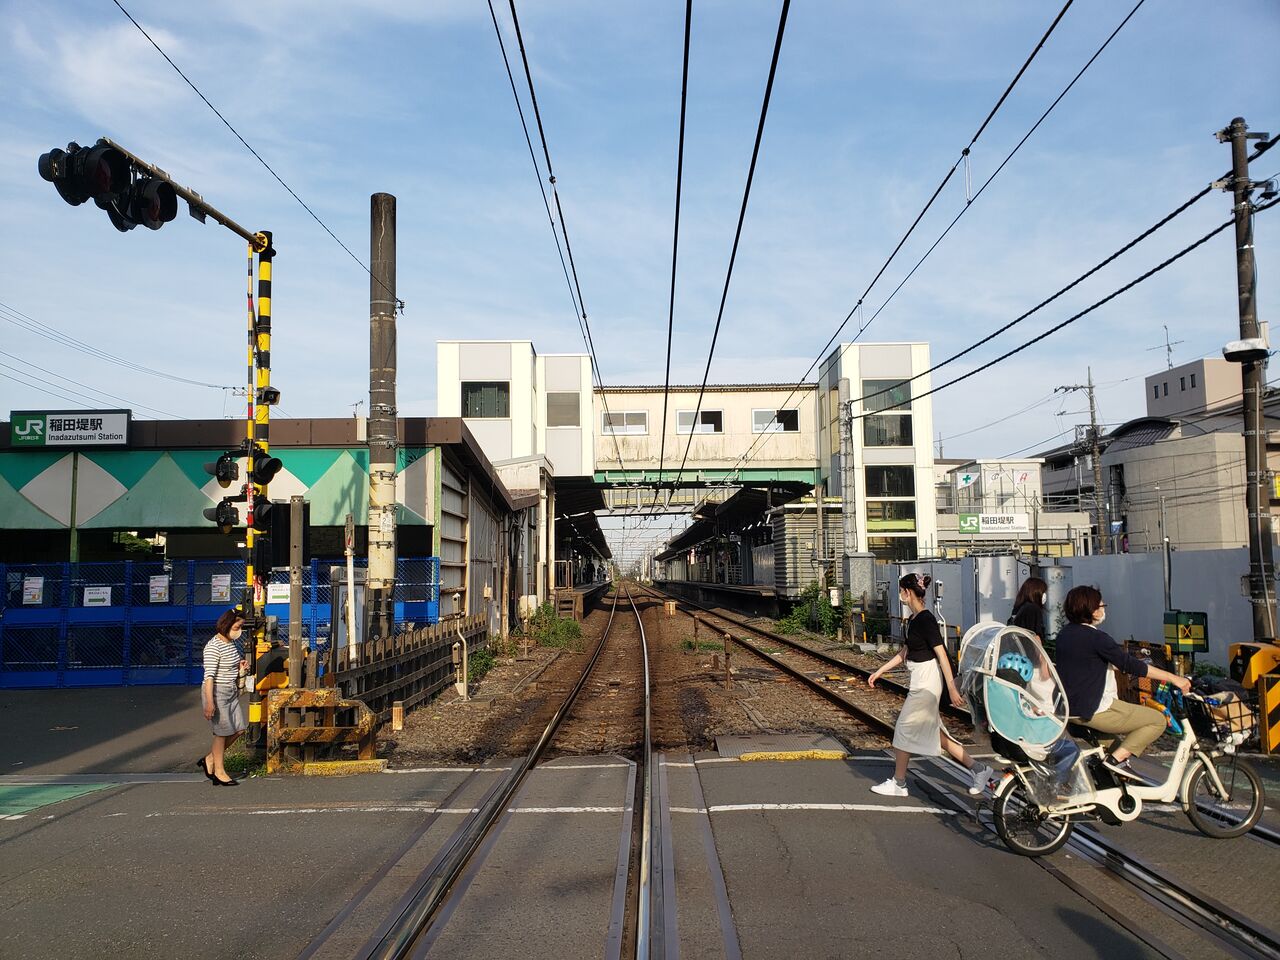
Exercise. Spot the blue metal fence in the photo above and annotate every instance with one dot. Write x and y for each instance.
(146, 622)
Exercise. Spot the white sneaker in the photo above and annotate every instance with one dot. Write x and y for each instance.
(980, 777)
(890, 788)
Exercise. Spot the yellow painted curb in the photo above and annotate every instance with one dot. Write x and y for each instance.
(342, 768)
(794, 755)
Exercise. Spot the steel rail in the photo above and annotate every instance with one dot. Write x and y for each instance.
(644, 884)
(1222, 922)
(1202, 910)
(826, 658)
(872, 720)
(417, 916)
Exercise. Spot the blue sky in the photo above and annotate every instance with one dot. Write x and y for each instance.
(872, 104)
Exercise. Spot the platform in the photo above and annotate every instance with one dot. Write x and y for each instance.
(753, 600)
(575, 602)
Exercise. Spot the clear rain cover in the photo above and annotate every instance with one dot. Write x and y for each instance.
(1012, 687)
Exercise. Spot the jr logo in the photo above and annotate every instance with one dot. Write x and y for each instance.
(27, 430)
(969, 523)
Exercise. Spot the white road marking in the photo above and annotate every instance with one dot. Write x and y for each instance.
(403, 808)
(851, 807)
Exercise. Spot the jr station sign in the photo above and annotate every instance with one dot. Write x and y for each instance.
(41, 429)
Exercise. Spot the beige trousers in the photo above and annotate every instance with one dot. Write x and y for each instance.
(1135, 727)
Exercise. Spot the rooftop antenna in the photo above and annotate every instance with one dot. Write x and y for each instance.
(1167, 346)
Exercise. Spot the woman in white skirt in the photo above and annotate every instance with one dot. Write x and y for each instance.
(919, 730)
(224, 665)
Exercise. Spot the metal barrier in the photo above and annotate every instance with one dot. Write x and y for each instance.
(146, 621)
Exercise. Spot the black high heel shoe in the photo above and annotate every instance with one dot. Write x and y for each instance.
(200, 764)
(225, 783)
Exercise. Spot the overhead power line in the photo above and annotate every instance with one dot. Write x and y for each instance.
(258, 156)
(24, 322)
(737, 235)
(1159, 224)
(1074, 317)
(575, 287)
(986, 183)
(961, 159)
(675, 245)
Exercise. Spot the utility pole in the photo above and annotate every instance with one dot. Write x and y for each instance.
(1253, 375)
(1164, 552)
(1095, 452)
(382, 439)
(848, 495)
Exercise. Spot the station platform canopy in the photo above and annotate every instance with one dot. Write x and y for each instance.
(744, 508)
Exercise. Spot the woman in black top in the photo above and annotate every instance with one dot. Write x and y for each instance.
(1084, 657)
(1028, 607)
(919, 729)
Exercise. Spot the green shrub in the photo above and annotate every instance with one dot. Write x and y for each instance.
(814, 604)
(547, 629)
(479, 663)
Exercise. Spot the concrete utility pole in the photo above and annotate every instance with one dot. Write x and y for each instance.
(382, 439)
(1253, 375)
(1095, 452)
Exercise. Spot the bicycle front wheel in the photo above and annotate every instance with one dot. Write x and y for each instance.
(1230, 814)
(1024, 828)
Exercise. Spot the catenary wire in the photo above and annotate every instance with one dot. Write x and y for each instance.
(258, 156)
(675, 248)
(748, 455)
(1074, 317)
(986, 183)
(737, 236)
(86, 386)
(580, 305)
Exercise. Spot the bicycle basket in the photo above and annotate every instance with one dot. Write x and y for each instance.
(1222, 719)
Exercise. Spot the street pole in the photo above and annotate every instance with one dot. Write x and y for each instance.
(382, 439)
(257, 437)
(1099, 494)
(848, 498)
(1167, 560)
(1253, 374)
(1102, 543)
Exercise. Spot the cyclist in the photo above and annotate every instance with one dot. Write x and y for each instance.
(1084, 656)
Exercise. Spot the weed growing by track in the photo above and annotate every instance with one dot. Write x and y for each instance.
(479, 663)
(549, 630)
(812, 606)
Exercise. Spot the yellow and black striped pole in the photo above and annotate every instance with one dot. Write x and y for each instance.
(257, 443)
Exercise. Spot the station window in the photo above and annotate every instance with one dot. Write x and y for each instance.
(709, 421)
(1193, 381)
(893, 549)
(563, 410)
(1155, 391)
(485, 399)
(775, 421)
(627, 421)
(891, 516)
(1166, 388)
(1184, 383)
(887, 430)
(891, 481)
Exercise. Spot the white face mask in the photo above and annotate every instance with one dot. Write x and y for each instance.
(1100, 616)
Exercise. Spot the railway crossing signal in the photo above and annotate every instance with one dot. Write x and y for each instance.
(104, 174)
(225, 469)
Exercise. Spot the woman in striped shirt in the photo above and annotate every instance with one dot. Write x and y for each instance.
(220, 694)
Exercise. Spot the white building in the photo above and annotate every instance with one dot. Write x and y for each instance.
(892, 451)
(518, 404)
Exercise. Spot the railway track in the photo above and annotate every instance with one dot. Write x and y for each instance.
(412, 927)
(875, 707)
(1220, 923)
